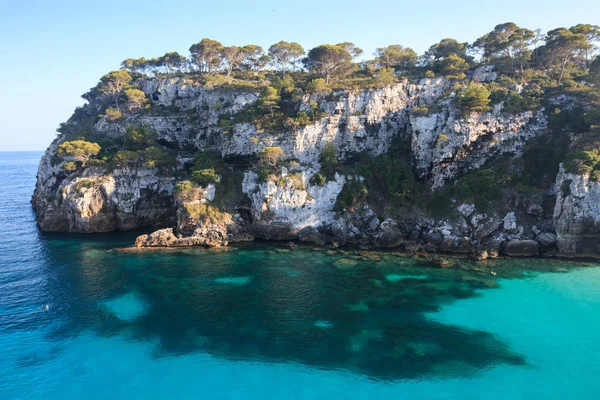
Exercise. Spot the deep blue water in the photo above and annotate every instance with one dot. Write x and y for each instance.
(265, 322)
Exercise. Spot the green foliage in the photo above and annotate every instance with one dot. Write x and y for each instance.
(529, 100)
(452, 66)
(352, 195)
(204, 177)
(136, 99)
(481, 187)
(420, 111)
(269, 99)
(318, 85)
(328, 159)
(302, 119)
(114, 83)
(475, 98)
(113, 114)
(206, 214)
(70, 166)
(151, 157)
(270, 155)
(318, 179)
(385, 77)
(329, 61)
(78, 150)
(582, 161)
(139, 137)
(396, 56)
(264, 174)
(389, 177)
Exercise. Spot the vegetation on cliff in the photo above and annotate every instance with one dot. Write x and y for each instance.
(558, 71)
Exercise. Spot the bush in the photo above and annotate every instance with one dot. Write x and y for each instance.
(328, 159)
(318, 179)
(475, 98)
(113, 114)
(420, 111)
(318, 86)
(389, 176)
(70, 166)
(207, 214)
(302, 119)
(352, 195)
(264, 174)
(581, 161)
(139, 137)
(78, 150)
(270, 155)
(204, 177)
(480, 187)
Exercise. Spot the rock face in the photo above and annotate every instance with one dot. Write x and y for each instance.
(95, 201)
(577, 215)
(445, 147)
(521, 248)
(288, 205)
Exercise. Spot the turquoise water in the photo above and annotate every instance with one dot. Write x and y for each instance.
(80, 318)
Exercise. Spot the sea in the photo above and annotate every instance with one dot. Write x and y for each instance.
(84, 316)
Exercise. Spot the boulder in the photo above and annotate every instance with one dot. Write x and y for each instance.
(486, 228)
(160, 238)
(388, 235)
(521, 248)
(310, 234)
(546, 239)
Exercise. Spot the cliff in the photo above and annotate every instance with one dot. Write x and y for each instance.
(297, 197)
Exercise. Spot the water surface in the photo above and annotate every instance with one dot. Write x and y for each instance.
(81, 319)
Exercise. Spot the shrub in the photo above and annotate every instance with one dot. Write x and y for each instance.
(318, 86)
(270, 155)
(264, 174)
(302, 119)
(70, 166)
(204, 177)
(318, 179)
(207, 214)
(581, 161)
(78, 150)
(475, 98)
(420, 111)
(139, 137)
(352, 195)
(136, 99)
(480, 186)
(328, 159)
(113, 114)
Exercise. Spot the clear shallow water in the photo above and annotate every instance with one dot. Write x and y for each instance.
(266, 322)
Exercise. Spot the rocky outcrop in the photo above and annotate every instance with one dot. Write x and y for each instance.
(288, 205)
(445, 146)
(289, 202)
(521, 248)
(577, 215)
(95, 201)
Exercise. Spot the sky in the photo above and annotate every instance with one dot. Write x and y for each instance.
(52, 52)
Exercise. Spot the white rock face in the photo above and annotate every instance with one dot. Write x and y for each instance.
(446, 147)
(577, 215)
(95, 201)
(292, 200)
(510, 222)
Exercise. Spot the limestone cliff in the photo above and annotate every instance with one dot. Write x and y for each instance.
(443, 146)
(577, 215)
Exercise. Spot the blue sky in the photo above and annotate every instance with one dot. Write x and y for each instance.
(54, 51)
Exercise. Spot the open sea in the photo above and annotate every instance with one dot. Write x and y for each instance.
(82, 319)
